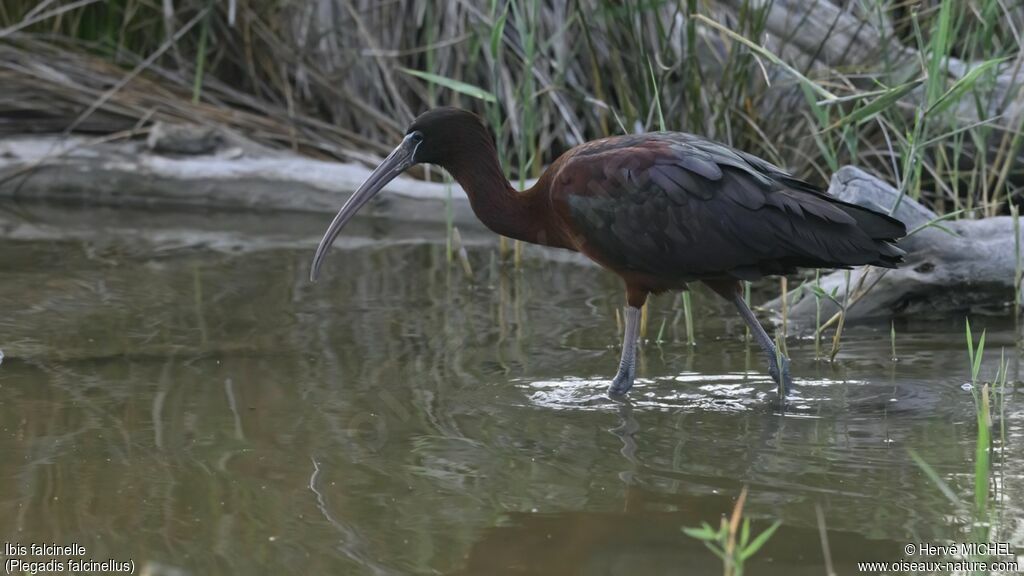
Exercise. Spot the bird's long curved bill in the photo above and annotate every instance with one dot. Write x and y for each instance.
(396, 162)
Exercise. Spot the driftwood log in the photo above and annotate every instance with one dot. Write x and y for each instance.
(230, 172)
(814, 33)
(956, 266)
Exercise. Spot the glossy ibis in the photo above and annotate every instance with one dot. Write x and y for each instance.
(660, 210)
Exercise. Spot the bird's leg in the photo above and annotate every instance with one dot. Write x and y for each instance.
(778, 364)
(627, 365)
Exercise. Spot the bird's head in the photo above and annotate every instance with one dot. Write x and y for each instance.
(440, 136)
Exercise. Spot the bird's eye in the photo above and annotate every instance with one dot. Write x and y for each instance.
(417, 137)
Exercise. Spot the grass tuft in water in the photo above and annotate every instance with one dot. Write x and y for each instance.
(661, 333)
(688, 317)
(732, 541)
(784, 328)
(746, 300)
(837, 337)
(644, 316)
(780, 341)
(982, 514)
(817, 314)
(974, 356)
(982, 407)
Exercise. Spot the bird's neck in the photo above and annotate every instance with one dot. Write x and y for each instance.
(502, 208)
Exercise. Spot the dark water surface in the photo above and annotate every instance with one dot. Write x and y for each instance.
(175, 392)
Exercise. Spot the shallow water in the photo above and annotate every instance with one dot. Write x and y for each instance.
(175, 392)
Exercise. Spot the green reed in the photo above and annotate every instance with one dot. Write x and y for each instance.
(732, 541)
(547, 76)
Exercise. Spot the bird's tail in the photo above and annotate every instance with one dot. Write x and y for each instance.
(882, 228)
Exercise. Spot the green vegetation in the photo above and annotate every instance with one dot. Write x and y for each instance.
(983, 516)
(732, 542)
(922, 95)
(1019, 274)
(688, 317)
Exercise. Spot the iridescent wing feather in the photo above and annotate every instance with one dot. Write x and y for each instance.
(676, 205)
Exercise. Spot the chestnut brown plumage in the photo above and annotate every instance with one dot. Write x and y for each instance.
(660, 210)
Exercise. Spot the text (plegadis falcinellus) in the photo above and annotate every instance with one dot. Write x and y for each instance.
(659, 209)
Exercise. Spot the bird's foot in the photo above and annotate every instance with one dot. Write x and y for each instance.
(785, 382)
(623, 381)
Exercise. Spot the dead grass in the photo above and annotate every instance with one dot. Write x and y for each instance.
(326, 78)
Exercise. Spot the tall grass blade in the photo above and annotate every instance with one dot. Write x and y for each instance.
(688, 317)
(657, 96)
(760, 540)
(876, 106)
(766, 54)
(1018, 278)
(981, 455)
(204, 32)
(961, 87)
(454, 85)
(935, 478)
